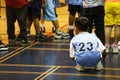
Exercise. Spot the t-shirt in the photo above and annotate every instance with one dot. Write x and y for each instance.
(75, 2)
(85, 42)
(92, 3)
(16, 3)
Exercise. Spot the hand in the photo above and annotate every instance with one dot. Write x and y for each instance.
(29, 0)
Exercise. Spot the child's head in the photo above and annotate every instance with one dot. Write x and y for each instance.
(81, 24)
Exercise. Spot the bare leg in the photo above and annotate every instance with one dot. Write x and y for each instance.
(36, 25)
(108, 30)
(71, 21)
(117, 34)
(56, 24)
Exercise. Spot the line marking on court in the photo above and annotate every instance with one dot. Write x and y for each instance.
(65, 67)
(11, 52)
(61, 74)
(43, 74)
(86, 75)
(6, 58)
(50, 73)
(52, 49)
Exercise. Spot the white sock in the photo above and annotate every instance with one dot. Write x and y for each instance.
(42, 25)
(71, 27)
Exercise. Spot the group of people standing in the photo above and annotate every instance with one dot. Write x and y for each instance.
(100, 13)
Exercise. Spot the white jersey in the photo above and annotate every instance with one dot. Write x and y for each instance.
(85, 42)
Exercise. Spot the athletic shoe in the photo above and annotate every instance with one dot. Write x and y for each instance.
(99, 66)
(115, 49)
(12, 42)
(79, 68)
(61, 35)
(40, 37)
(119, 46)
(107, 50)
(3, 47)
(107, 47)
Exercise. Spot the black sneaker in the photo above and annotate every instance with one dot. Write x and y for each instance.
(41, 37)
(12, 42)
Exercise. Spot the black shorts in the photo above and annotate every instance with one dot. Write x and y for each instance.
(34, 12)
(75, 8)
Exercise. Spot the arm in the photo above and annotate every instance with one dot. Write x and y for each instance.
(72, 51)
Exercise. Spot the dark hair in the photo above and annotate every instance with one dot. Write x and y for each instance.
(82, 23)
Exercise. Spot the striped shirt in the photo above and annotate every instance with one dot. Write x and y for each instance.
(92, 3)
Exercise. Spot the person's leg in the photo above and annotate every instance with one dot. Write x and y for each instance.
(99, 23)
(39, 36)
(72, 12)
(108, 30)
(116, 38)
(11, 18)
(22, 21)
(42, 21)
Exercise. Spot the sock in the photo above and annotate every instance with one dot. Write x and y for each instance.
(71, 27)
(42, 25)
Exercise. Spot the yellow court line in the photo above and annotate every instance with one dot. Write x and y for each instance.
(54, 49)
(86, 75)
(11, 53)
(17, 52)
(28, 65)
(45, 73)
(50, 73)
(60, 74)
(20, 72)
(62, 44)
(24, 65)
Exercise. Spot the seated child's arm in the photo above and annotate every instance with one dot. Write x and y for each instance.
(72, 51)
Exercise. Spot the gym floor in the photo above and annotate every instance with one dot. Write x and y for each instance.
(49, 60)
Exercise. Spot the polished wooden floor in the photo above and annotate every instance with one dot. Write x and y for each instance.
(49, 60)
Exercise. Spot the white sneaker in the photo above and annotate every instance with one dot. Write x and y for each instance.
(115, 49)
(79, 67)
(119, 46)
(61, 35)
(99, 66)
(107, 49)
(3, 47)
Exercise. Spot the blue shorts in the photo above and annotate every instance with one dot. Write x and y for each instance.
(49, 11)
